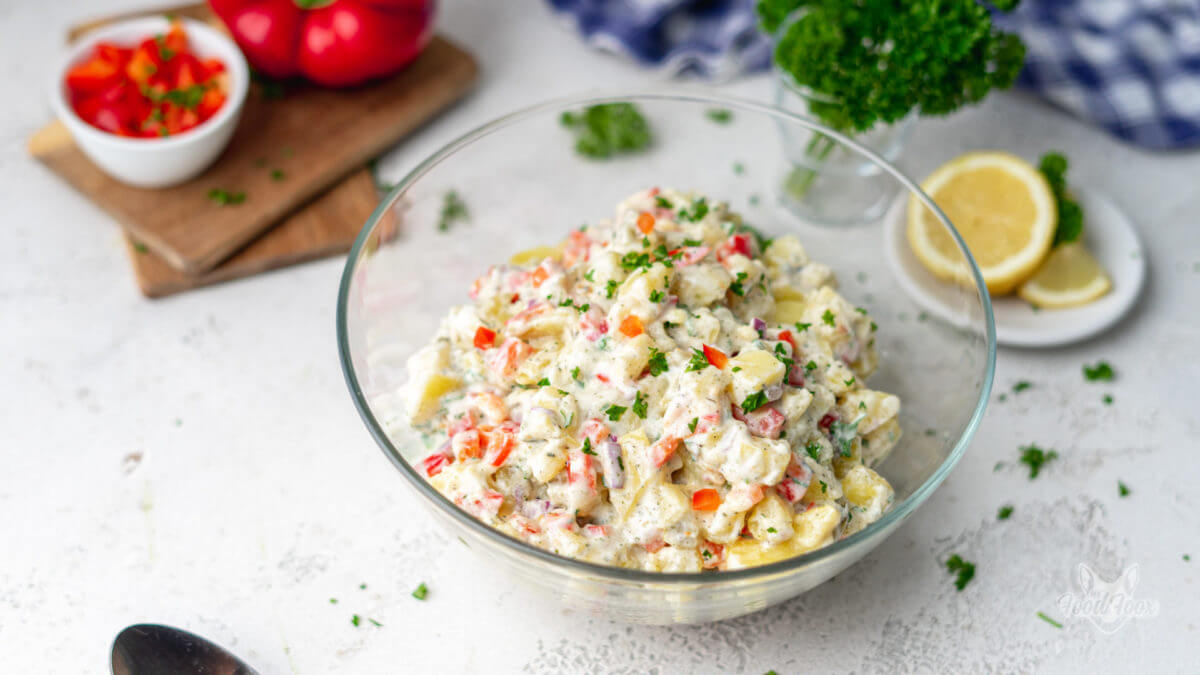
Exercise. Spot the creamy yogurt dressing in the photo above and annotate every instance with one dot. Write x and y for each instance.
(663, 391)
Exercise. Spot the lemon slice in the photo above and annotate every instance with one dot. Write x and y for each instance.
(1004, 210)
(1070, 277)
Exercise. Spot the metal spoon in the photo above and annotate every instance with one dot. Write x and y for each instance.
(151, 649)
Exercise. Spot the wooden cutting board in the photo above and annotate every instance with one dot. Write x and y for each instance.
(285, 152)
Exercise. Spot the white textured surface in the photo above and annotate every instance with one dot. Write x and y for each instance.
(258, 494)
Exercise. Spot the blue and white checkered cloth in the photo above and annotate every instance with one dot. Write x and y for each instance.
(717, 39)
(1130, 66)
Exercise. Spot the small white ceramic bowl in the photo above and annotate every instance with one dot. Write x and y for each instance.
(155, 162)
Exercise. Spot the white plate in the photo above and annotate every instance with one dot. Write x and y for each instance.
(1109, 235)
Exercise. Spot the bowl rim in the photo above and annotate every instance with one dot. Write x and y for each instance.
(213, 39)
(894, 517)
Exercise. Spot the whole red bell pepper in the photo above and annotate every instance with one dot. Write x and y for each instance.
(335, 43)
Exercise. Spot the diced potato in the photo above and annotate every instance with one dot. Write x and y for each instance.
(427, 384)
(546, 459)
(676, 559)
(824, 485)
(670, 504)
(770, 520)
(634, 296)
(724, 526)
(755, 460)
(751, 371)
(794, 403)
(700, 285)
(535, 255)
(550, 322)
(534, 367)
(877, 444)
(866, 489)
(787, 312)
(784, 292)
(785, 253)
(813, 529)
(876, 407)
(631, 355)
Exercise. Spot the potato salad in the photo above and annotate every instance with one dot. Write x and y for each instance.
(664, 391)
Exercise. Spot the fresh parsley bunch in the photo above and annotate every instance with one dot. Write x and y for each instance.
(878, 60)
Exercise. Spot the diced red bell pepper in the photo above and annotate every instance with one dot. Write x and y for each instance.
(712, 554)
(93, 76)
(706, 499)
(716, 357)
(484, 337)
(735, 244)
(631, 326)
(662, 450)
(433, 464)
(766, 422)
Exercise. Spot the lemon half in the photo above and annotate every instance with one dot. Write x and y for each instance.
(1003, 208)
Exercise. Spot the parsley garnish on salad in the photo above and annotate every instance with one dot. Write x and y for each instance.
(1101, 372)
(698, 361)
(639, 405)
(699, 209)
(658, 362)
(608, 129)
(827, 317)
(754, 401)
(814, 450)
(614, 412)
(1035, 458)
(692, 424)
(964, 569)
(610, 287)
(587, 447)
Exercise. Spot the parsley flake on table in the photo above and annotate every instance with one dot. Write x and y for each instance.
(1021, 386)
(719, 115)
(421, 591)
(454, 209)
(608, 129)
(1107, 399)
(356, 620)
(225, 197)
(375, 623)
(964, 569)
(278, 175)
(1101, 372)
(1122, 489)
(1052, 622)
(1035, 458)
(1005, 512)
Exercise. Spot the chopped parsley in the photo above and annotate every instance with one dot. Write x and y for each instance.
(810, 366)
(698, 361)
(610, 288)
(801, 327)
(614, 412)
(608, 129)
(663, 203)
(590, 276)
(736, 286)
(692, 424)
(225, 197)
(587, 447)
(656, 296)
(639, 406)
(772, 530)
(1122, 489)
(719, 115)
(544, 382)
(849, 382)
(781, 353)
(1004, 512)
(698, 209)
(356, 620)
(421, 591)
(333, 601)
(140, 247)
(278, 175)
(1035, 458)
(634, 260)
(754, 401)
(1021, 386)
(1101, 372)
(1052, 622)
(1108, 399)
(375, 623)
(575, 373)
(693, 243)
(658, 362)
(813, 449)
(453, 209)
(965, 570)
(843, 435)
(827, 318)
(739, 168)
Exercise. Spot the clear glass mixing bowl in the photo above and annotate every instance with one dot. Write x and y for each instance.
(524, 185)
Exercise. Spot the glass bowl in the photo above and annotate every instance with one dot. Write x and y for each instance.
(524, 186)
